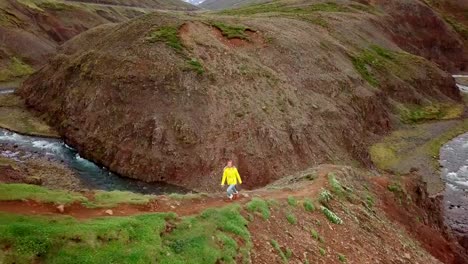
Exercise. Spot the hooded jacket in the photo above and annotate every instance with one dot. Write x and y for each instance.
(231, 176)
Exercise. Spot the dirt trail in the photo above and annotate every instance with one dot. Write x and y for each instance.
(162, 203)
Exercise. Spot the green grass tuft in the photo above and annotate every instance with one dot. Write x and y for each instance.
(324, 197)
(292, 201)
(331, 216)
(168, 35)
(291, 218)
(342, 258)
(308, 205)
(316, 235)
(335, 184)
(322, 251)
(196, 66)
(285, 255)
(259, 205)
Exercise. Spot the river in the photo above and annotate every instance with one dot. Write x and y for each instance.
(454, 162)
(89, 174)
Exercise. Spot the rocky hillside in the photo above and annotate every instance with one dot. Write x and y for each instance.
(276, 87)
(153, 4)
(31, 30)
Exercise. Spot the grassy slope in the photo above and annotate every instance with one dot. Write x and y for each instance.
(15, 192)
(205, 238)
(257, 231)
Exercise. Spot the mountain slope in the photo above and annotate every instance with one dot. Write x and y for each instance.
(153, 4)
(31, 30)
(170, 97)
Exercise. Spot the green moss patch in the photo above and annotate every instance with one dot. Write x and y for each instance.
(168, 35)
(436, 111)
(232, 31)
(15, 69)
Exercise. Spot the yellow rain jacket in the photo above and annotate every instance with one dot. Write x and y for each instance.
(231, 175)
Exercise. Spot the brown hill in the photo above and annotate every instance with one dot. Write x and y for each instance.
(31, 30)
(276, 87)
(154, 4)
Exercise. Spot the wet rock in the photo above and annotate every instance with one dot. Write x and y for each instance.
(61, 208)
(109, 212)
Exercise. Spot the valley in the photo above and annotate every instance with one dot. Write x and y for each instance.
(346, 119)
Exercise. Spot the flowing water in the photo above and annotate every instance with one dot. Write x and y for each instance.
(91, 175)
(454, 162)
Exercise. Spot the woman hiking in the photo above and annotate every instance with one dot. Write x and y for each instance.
(232, 177)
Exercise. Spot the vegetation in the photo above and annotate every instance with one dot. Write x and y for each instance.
(324, 197)
(308, 205)
(206, 238)
(457, 26)
(370, 201)
(292, 201)
(230, 31)
(11, 192)
(372, 58)
(281, 8)
(316, 235)
(260, 206)
(291, 218)
(196, 66)
(322, 251)
(16, 69)
(331, 216)
(384, 156)
(335, 184)
(342, 258)
(113, 198)
(168, 35)
(436, 111)
(285, 255)
(18, 191)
